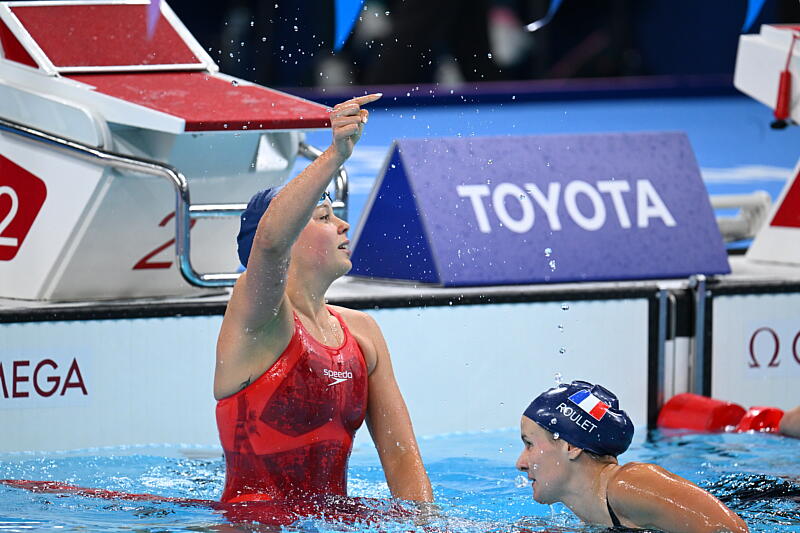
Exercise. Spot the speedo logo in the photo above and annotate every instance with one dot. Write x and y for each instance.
(337, 377)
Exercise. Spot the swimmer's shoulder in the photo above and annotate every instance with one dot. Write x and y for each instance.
(367, 332)
(358, 322)
(649, 496)
(636, 491)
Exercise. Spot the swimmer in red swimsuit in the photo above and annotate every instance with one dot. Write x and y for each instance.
(295, 377)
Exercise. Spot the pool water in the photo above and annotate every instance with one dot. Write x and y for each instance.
(473, 476)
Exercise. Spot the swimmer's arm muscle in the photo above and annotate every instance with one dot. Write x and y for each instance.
(390, 426)
(649, 496)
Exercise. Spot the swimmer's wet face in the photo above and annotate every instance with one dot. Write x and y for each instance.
(323, 244)
(545, 460)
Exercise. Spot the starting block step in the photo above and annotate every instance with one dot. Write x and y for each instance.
(74, 228)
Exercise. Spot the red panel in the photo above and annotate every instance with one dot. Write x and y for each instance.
(788, 214)
(207, 102)
(21, 197)
(102, 35)
(12, 49)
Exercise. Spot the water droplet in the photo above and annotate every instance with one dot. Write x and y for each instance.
(489, 55)
(565, 307)
(561, 328)
(295, 28)
(490, 162)
(547, 252)
(553, 421)
(562, 350)
(557, 377)
(556, 436)
(552, 264)
(263, 39)
(521, 481)
(234, 83)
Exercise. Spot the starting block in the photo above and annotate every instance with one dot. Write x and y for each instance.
(94, 114)
(768, 70)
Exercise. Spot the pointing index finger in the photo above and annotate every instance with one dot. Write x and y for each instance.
(366, 99)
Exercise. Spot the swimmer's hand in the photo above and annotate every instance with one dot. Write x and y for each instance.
(347, 123)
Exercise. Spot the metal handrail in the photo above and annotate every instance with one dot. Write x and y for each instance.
(184, 210)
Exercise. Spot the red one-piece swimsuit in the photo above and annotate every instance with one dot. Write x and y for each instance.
(289, 433)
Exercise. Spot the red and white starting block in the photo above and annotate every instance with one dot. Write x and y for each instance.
(99, 124)
(768, 69)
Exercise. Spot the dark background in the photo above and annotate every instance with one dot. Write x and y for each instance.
(289, 43)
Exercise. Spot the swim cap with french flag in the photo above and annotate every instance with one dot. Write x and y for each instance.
(585, 415)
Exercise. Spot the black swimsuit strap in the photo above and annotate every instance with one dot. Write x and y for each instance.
(614, 520)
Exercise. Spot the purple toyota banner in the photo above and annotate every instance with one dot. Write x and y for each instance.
(561, 208)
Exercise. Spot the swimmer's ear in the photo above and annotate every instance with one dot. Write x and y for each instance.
(573, 452)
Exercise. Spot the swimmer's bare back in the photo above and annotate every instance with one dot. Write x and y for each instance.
(647, 496)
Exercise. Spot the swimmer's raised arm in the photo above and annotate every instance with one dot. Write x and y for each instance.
(292, 208)
(258, 323)
(651, 497)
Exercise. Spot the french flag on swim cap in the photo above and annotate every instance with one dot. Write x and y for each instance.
(590, 403)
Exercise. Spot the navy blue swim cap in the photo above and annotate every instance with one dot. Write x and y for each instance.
(250, 218)
(585, 415)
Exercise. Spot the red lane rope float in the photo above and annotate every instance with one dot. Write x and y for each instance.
(761, 419)
(699, 413)
(277, 512)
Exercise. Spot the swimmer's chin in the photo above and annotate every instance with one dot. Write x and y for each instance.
(538, 498)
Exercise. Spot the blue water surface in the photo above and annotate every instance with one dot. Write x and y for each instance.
(473, 477)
